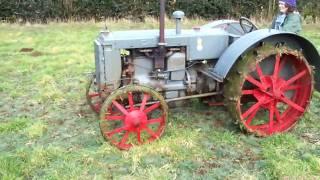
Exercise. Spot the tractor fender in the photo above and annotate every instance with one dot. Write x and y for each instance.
(253, 39)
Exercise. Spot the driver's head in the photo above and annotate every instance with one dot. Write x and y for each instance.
(286, 6)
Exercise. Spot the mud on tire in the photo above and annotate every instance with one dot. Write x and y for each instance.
(269, 89)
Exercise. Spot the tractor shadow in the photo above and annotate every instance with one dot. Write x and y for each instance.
(196, 114)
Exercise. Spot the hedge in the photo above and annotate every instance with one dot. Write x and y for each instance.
(46, 10)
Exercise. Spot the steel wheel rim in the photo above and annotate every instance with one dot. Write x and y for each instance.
(128, 120)
(285, 98)
(93, 95)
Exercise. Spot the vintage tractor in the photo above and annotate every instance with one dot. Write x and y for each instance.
(265, 76)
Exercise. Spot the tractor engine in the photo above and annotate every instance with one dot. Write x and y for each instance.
(178, 79)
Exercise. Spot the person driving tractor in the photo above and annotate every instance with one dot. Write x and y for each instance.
(288, 18)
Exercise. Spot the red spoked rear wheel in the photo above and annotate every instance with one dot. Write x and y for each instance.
(133, 115)
(275, 89)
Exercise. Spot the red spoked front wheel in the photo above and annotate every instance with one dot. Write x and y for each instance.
(275, 88)
(133, 115)
(93, 95)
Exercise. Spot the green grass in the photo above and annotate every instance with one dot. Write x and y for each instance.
(47, 131)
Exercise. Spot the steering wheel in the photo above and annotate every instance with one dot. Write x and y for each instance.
(247, 25)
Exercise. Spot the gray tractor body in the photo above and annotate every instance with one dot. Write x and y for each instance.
(196, 61)
(264, 77)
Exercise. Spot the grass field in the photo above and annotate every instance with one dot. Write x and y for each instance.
(47, 131)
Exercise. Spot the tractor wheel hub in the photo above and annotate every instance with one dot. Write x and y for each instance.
(273, 90)
(136, 118)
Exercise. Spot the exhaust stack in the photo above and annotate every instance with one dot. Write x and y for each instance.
(162, 22)
(161, 51)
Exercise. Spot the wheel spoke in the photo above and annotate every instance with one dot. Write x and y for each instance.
(271, 115)
(248, 92)
(294, 87)
(252, 115)
(130, 99)
(151, 108)
(114, 118)
(144, 101)
(120, 107)
(276, 67)
(294, 78)
(259, 71)
(292, 104)
(149, 131)
(124, 138)
(251, 109)
(139, 136)
(115, 131)
(157, 120)
(277, 113)
(255, 82)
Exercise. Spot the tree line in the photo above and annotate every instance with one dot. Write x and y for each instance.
(48, 10)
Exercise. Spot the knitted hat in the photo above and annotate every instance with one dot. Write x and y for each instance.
(291, 3)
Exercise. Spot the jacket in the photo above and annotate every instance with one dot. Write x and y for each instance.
(291, 22)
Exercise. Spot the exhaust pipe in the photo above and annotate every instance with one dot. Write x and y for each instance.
(159, 63)
(162, 23)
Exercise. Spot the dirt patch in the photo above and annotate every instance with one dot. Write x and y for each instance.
(207, 165)
(312, 138)
(31, 51)
(26, 50)
(219, 123)
(36, 54)
(247, 156)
